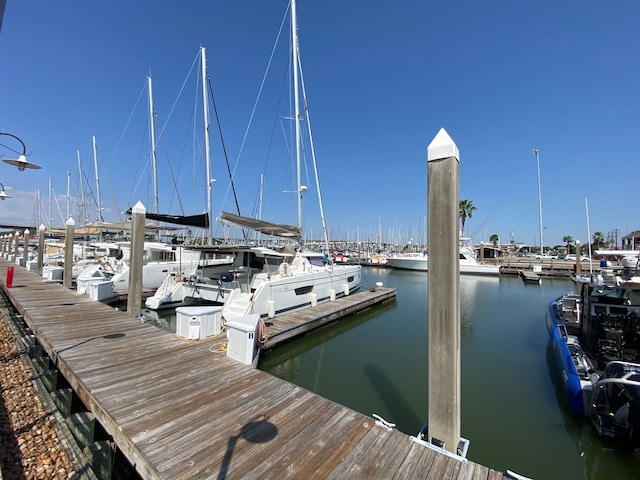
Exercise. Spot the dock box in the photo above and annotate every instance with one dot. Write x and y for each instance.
(52, 272)
(100, 290)
(241, 333)
(195, 323)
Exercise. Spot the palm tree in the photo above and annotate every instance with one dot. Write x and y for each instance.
(466, 211)
(568, 239)
(494, 239)
(598, 240)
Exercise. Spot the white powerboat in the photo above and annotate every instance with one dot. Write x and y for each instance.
(469, 264)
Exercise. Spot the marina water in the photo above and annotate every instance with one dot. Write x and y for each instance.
(512, 412)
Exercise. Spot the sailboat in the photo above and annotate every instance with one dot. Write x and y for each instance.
(103, 279)
(261, 280)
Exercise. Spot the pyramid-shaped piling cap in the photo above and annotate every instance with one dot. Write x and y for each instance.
(442, 147)
(139, 208)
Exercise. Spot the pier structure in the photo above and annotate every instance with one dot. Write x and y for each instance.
(179, 409)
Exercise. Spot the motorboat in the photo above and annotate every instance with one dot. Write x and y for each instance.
(595, 338)
(469, 264)
(409, 261)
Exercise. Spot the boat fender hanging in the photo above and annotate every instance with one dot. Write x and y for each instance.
(284, 269)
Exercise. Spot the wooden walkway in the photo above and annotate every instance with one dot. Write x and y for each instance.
(181, 409)
(289, 326)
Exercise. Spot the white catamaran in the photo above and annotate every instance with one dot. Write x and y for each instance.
(261, 280)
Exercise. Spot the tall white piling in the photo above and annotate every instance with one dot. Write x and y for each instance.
(68, 253)
(444, 292)
(134, 298)
(16, 241)
(40, 262)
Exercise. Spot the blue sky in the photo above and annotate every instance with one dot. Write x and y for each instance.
(501, 76)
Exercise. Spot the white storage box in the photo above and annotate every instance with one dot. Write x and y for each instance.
(100, 290)
(52, 272)
(241, 334)
(195, 323)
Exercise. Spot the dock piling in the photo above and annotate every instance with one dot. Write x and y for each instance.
(444, 293)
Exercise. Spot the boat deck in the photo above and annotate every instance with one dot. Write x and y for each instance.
(181, 409)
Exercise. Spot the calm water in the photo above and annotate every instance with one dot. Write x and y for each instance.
(376, 362)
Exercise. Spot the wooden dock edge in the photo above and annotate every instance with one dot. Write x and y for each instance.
(330, 312)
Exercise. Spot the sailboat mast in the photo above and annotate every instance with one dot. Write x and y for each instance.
(296, 96)
(68, 194)
(205, 105)
(152, 129)
(50, 204)
(95, 166)
(83, 205)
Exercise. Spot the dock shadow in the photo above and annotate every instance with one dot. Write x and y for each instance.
(395, 402)
(256, 431)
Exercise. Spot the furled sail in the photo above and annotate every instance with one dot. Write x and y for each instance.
(276, 229)
(201, 220)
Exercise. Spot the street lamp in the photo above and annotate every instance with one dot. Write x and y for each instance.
(3, 194)
(21, 162)
(535, 152)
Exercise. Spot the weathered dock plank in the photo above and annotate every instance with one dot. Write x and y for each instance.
(181, 409)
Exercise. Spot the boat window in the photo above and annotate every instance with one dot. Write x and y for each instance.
(255, 261)
(317, 261)
(303, 290)
(272, 262)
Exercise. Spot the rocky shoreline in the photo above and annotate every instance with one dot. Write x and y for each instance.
(29, 444)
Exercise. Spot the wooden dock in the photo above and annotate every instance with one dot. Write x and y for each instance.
(289, 326)
(180, 409)
(529, 276)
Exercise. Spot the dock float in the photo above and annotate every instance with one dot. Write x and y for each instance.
(286, 327)
(529, 276)
(177, 409)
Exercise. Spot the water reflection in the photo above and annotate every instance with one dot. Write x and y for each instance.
(510, 409)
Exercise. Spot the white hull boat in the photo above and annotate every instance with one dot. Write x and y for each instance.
(469, 264)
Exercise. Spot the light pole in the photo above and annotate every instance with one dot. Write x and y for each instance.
(535, 152)
(21, 162)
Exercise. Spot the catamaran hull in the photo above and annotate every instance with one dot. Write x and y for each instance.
(288, 294)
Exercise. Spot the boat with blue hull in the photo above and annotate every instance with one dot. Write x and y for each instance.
(595, 339)
(576, 368)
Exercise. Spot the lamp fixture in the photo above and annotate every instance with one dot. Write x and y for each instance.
(21, 162)
(3, 194)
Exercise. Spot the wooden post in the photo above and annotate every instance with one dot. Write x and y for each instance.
(67, 281)
(134, 298)
(444, 292)
(16, 239)
(41, 229)
(22, 261)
